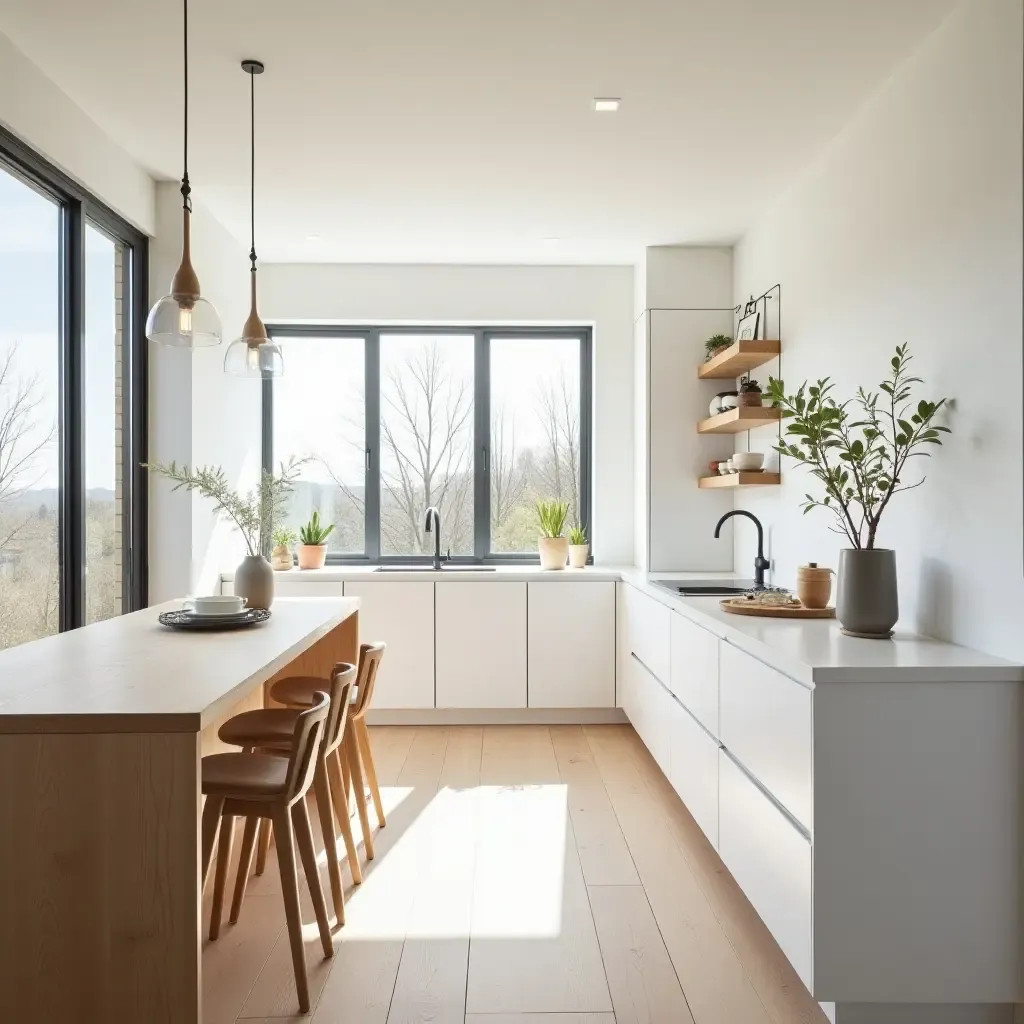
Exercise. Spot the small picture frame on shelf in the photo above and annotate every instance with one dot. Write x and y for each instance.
(746, 329)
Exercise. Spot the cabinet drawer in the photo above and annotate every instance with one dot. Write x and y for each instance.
(694, 668)
(770, 860)
(651, 712)
(694, 770)
(647, 632)
(765, 720)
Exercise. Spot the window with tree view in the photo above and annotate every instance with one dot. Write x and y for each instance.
(479, 422)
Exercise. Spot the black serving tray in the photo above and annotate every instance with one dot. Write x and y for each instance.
(214, 623)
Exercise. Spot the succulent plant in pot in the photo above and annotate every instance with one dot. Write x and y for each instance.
(579, 549)
(750, 393)
(281, 555)
(554, 548)
(715, 344)
(860, 450)
(313, 542)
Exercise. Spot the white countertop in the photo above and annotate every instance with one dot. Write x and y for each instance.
(815, 651)
(129, 673)
(504, 573)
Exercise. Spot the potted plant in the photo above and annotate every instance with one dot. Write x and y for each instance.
(281, 556)
(313, 542)
(578, 548)
(554, 548)
(859, 449)
(715, 344)
(256, 514)
(750, 393)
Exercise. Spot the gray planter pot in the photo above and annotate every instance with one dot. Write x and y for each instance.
(867, 602)
(254, 580)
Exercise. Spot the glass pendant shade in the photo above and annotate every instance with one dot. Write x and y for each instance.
(183, 326)
(250, 357)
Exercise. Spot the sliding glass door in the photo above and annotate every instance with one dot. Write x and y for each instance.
(72, 388)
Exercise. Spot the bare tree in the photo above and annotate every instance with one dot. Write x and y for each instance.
(559, 470)
(508, 480)
(21, 439)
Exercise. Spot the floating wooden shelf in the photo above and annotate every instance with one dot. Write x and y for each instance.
(746, 417)
(739, 358)
(740, 480)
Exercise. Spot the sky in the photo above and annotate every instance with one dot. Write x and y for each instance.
(29, 317)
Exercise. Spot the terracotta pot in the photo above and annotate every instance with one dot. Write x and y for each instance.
(312, 556)
(578, 555)
(254, 580)
(813, 585)
(281, 558)
(553, 552)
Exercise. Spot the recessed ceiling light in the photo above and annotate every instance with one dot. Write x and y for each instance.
(551, 241)
(606, 104)
(312, 238)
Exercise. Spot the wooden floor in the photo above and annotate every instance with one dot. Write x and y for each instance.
(527, 875)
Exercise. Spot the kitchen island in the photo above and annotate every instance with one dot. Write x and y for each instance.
(101, 734)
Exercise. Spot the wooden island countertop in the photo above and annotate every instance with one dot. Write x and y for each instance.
(102, 731)
(131, 674)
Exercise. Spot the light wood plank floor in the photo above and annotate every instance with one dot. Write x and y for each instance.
(527, 875)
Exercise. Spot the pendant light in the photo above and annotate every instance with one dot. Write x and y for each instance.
(253, 354)
(184, 319)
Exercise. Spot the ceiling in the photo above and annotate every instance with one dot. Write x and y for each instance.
(463, 130)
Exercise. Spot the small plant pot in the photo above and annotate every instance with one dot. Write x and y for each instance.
(749, 399)
(553, 552)
(578, 555)
(281, 558)
(312, 556)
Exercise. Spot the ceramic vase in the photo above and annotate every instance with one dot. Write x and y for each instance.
(867, 601)
(254, 580)
(281, 558)
(553, 552)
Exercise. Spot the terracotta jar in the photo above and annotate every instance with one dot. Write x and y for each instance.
(813, 585)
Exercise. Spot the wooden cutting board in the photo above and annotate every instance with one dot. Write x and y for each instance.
(741, 606)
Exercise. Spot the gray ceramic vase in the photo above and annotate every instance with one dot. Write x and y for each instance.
(254, 580)
(867, 602)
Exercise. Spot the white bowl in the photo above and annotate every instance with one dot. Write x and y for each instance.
(216, 604)
(747, 462)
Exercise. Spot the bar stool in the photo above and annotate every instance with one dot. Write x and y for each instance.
(269, 730)
(297, 692)
(254, 786)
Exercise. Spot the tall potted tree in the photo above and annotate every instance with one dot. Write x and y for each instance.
(859, 449)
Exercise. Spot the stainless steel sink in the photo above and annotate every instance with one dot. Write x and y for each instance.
(430, 568)
(732, 588)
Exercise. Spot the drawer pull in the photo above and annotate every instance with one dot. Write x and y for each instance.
(795, 822)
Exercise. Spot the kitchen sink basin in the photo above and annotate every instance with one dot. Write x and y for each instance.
(430, 568)
(733, 588)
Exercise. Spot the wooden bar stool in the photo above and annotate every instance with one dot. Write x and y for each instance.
(270, 730)
(354, 755)
(254, 786)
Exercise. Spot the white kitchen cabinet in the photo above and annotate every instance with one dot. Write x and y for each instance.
(571, 644)
(694, 769)
(647, 631)
(694, 658)
(770, 859)
(480, 638)
(402, 615)
(291, 584)
(766, 723)
(652, 713)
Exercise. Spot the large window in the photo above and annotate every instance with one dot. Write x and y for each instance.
(478, 422)
(71, 420)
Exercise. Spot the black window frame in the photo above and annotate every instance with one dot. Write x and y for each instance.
(78, 208)
(482, 336)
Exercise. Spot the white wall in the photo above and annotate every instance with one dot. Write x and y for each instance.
(908, 230)
(47, 119)
(601, 296)
(197, 414)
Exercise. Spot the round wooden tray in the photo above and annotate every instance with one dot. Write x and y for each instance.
(741, 606)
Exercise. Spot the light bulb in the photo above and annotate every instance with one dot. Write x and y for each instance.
(252, 359)
(185, 320)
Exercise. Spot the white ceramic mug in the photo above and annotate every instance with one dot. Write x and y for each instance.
(215, 604)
